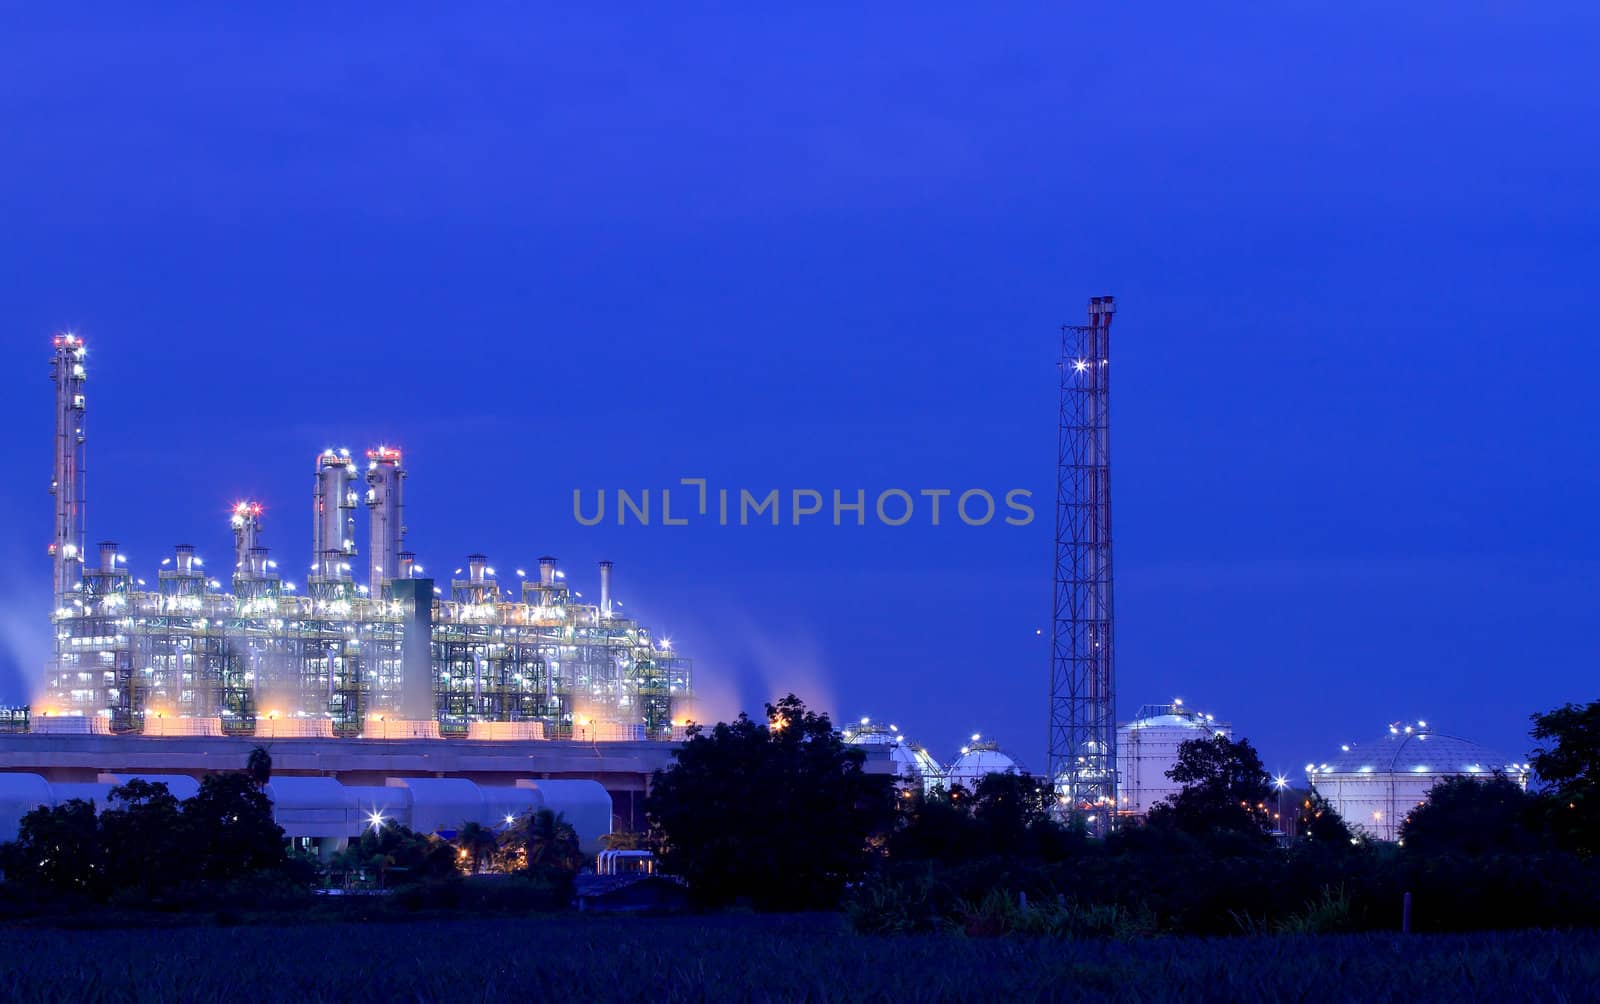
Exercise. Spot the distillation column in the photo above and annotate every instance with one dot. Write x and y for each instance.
(384, 475)
(334, 520)
(66, 547)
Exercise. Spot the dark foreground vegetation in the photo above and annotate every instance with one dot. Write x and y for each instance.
(780, 815)
(771, 957)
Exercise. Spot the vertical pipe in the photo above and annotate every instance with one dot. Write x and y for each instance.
(547, 572)
(605, 590)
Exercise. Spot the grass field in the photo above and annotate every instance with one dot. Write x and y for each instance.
(747, 957)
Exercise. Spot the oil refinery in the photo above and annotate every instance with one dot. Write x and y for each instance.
(400, 655)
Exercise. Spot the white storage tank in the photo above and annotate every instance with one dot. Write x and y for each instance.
(912, 763)
(978, 760)
(1147, 747)
(1375, 785)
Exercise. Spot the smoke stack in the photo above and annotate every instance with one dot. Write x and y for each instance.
(547, 572)
(408, 564)
(605, 589)
(476, 563)
(184, 561)
(257, 565)
(108, 556)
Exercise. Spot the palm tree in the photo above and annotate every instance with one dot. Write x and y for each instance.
(552, 842)
(477, 842)
(380, 862)
(259, 766)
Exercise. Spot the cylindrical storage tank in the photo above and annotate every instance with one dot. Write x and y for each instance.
(1375, 785)
(1147, 747)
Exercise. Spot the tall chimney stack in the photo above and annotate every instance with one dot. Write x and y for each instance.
(605, 589)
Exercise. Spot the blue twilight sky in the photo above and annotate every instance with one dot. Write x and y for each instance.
(1353, 244)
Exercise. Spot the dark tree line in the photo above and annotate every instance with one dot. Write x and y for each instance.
(781, 813)
(147, 843)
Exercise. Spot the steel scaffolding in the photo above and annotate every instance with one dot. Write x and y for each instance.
(1083, 680)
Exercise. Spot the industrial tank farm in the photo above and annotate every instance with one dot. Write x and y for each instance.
(1375, 785)
(400, 655)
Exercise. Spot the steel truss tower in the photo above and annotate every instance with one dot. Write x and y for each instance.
(1083, 740)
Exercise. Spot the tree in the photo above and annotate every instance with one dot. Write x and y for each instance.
(228, 827)
(57, 850)
(1225, 790)
(623, 840)
(1568, 761)
(551, 842)
(259, 766)
(1466, 815)
(1321, 824)
(937, 826)
(142, 834)
(777, 811)
(477, 843)
(389, 847)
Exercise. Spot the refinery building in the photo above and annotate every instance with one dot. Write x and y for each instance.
(429, 702)
(246, 651)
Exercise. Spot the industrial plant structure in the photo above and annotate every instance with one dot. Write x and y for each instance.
(912, 763)
(978, 760)
(1147, 747)
(246, 652)
(1083, 764)
(1375, 785)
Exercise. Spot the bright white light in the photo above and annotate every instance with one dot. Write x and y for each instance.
(375, 820)
(1079, 365)
(1281, 781)
(510, 820)
(975, 736)
(560, 574)
(289, 586)
(865, 719)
